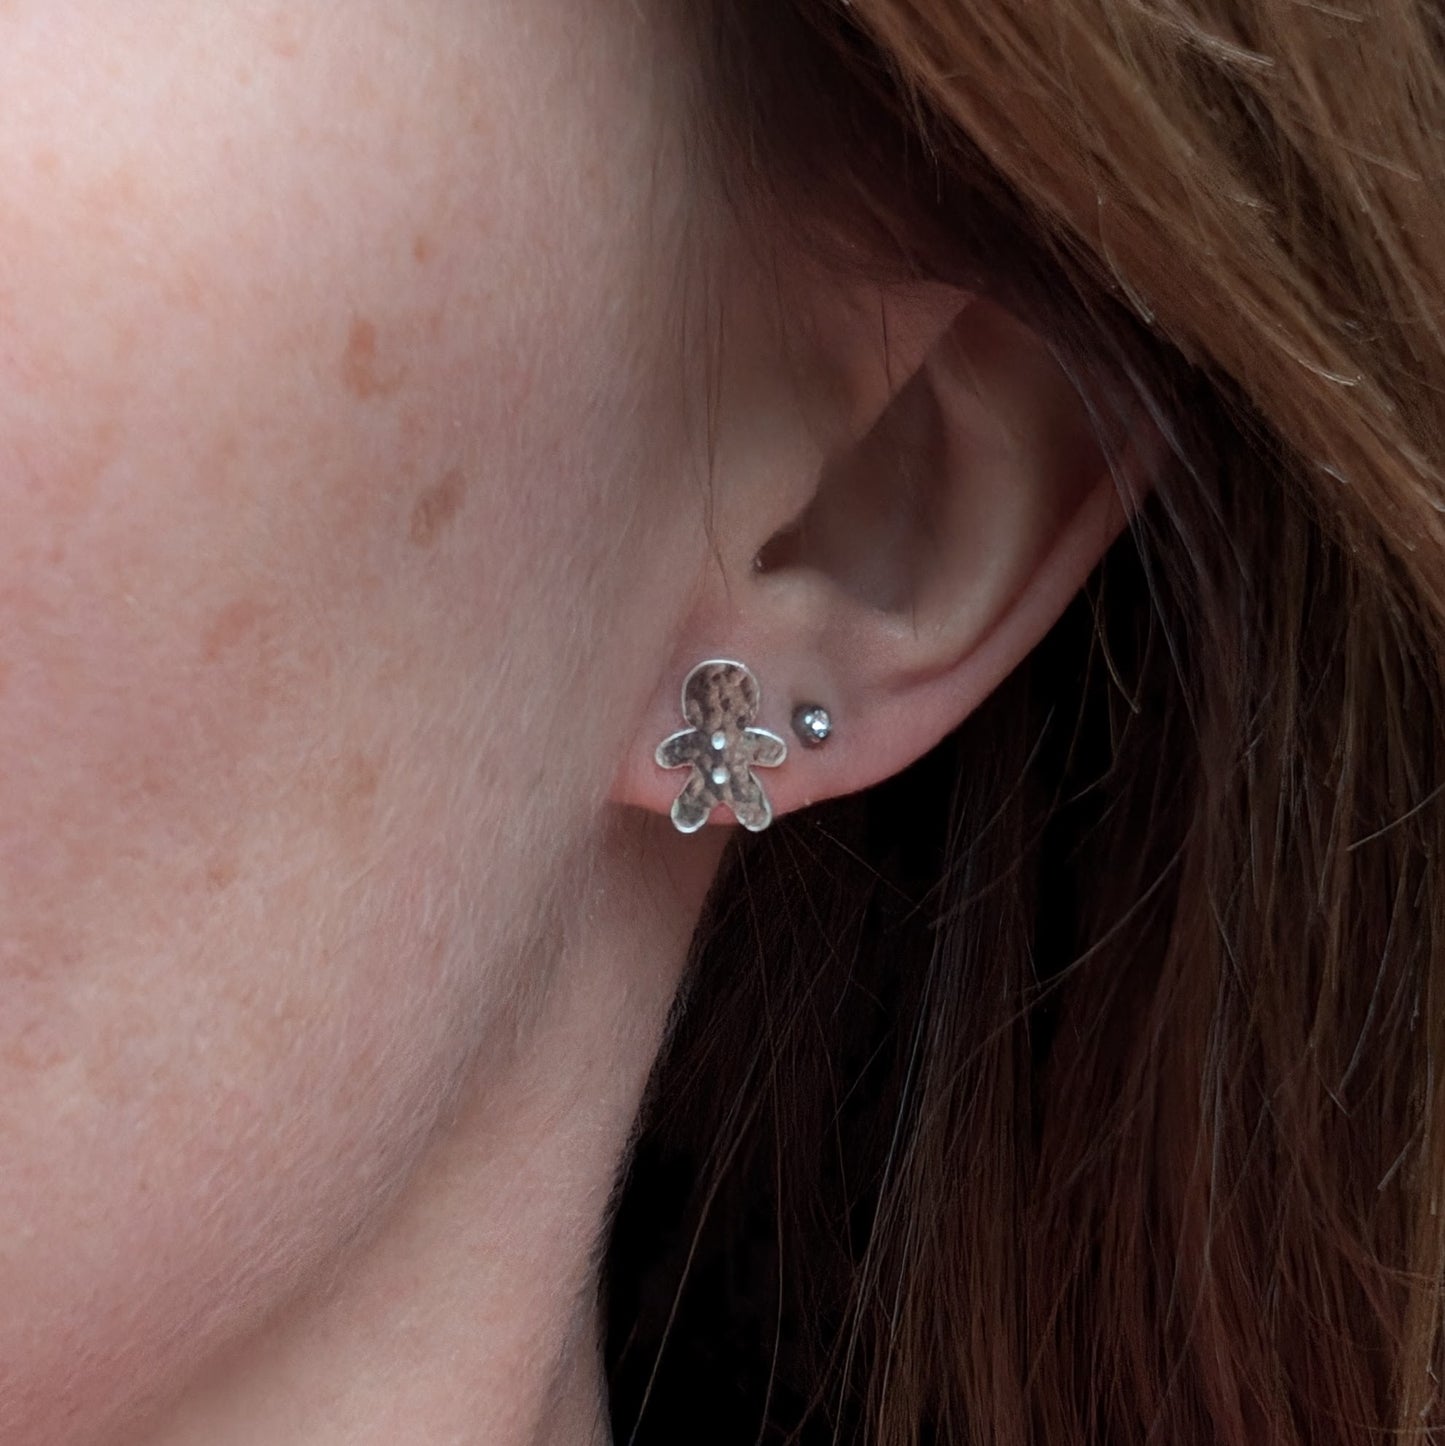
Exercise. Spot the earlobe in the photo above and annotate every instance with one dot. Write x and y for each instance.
(933, 554)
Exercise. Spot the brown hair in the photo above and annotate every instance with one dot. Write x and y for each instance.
(1083, 1084)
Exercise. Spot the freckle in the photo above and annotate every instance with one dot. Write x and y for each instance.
(127, 339)
(118, 191)
(4, 674)
(280, 36)
(361, 372)
(423, 248)
(187, 289)
(35, 1049)
(91, 454)
(360, 778)
(235, 622)
(354, 796)
(364, 93)
(150, 778)
(221, 873)
(46, 161)
(436, 508)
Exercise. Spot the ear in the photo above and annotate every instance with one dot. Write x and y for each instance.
(956, 496)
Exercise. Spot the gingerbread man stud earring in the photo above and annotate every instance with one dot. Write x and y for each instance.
(720, 699)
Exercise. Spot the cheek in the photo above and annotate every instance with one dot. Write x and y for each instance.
(308, 522)
(212, 858)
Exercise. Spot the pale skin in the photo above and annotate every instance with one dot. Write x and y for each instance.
(352, 461)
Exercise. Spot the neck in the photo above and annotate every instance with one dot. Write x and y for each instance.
(470, 1315)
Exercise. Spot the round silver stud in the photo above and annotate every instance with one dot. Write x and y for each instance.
(719, 776)
(812, 724)
(719, 742)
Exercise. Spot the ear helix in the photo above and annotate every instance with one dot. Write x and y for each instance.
(721, 749)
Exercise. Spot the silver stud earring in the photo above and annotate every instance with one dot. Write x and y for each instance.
(812, 724)
(720, 699)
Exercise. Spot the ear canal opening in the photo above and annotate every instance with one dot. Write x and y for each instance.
(873, 522)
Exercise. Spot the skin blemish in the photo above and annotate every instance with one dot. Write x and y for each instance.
(35, 1048)
(436, 508)
(361, 371)
(423, 248)
(221, 873)
(279, 35)
(186, 289)
(353, 792)
(360, 778)
(235, 622)
(117, 195)
(72, 476)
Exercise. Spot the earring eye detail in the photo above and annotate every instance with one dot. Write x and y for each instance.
(720, 700)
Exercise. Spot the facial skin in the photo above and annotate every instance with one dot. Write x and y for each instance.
(316, 325)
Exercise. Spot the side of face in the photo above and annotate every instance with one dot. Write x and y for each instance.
(373, 467)
(315, 327)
